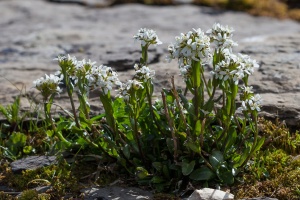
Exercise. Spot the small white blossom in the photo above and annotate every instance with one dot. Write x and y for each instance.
(103, 77)
(127, 88)
(222, 36)
(252, 103)
(48, 85)
(143, 73)
(147, 36)
(193, 45)
(247, 89)
(234, 67)
(248, 63)
(185, 71)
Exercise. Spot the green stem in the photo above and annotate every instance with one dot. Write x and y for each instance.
(107, 104)
(69, 90)
(171, 125)
(137, 138)
(151, 108)
(47, 107)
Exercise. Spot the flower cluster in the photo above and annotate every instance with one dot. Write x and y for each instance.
(194, 45)
(103, 77)
(96, 76)
(147, 37)
(127, 88)
(48, 85)
(253, 103)
(234, 67)
(143, 73)
(221, 36)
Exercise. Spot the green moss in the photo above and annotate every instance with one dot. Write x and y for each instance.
(33, 195)
(283, 181)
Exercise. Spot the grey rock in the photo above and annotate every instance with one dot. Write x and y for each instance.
(116, 192)
(91, 3)
(210, 194)
(260, 198)
(34, 32)
(32, 162)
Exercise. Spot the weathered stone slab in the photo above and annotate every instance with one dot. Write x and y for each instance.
(116, 192)
(34, 32)
(32, 162)
(210, 194)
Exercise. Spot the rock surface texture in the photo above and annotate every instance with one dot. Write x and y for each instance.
(210, 194)
(34, 32)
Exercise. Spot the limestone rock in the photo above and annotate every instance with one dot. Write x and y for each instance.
(32, 36)
(210, 194)
(116, 193)
(32, 162)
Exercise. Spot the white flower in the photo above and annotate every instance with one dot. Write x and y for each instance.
(248, 63)
(147, 36)
(185, 71)
(193, 45)
(103, 77)
(143, 73)
(127, 88)
(48, 85)
(247, 89)
(222, 36)
(252, 103)
(234, 66)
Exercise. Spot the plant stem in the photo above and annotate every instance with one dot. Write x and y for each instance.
(171, 124)
(183, 119)
(49, 118)
(73, 108)
(137, 138)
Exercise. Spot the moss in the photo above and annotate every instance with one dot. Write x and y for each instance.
(278, 136)
(58, 176)
(4, 196)
(283, 181)
(33, 195)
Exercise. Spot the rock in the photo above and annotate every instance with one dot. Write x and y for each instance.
(31, 37)
(115, 192)
(32, 162)
(260, 198)
(210, 194)
(91, 3)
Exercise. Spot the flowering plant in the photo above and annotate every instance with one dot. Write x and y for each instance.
(196, 135)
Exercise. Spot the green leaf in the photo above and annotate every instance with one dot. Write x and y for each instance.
(126, 151)
(259, 143)
(170, 144)
(50, 133)
(141, 173)
(63, 125)
(231, 139)
(27, 149)
(225, 175)
(16, 142)
(157, 179)
(166, 171)
(194, 146)
(202, 174)
(197, 129)
(216, 158)
(157, 165)
(243, 157)
(187, 167)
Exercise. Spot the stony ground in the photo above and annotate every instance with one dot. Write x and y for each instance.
(33, 32)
